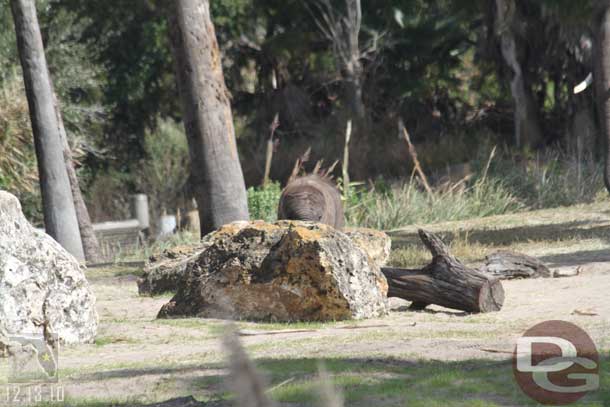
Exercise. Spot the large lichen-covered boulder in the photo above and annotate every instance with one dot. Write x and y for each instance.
(375, 243)
(286, 271)
(43, 290)
(163, 272)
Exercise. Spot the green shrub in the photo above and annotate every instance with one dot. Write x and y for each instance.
(18, 168)
(263, 201)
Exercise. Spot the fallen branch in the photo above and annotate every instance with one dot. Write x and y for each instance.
(446, 282)
(413, 154)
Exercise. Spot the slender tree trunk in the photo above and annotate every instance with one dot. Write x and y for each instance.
(219, 183)
(58, 205)
(354, 82)
(353, 65)
(91, 246)
(527, 126)
(602, 79)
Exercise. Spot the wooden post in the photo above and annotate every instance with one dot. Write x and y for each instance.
(139, 210)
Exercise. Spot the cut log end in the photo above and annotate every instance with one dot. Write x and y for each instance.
(491, 296)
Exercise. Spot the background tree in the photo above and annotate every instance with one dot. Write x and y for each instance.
(218, 180)
(511, 31)
(58, 205)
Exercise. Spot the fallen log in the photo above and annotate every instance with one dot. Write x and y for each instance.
(507, 265)
(446, 282)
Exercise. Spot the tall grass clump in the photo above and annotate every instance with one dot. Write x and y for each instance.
(391, 207)
(504, 184)
(552, 179)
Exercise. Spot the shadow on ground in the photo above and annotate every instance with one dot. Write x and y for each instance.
(577, 258)
(569, 230)
(367, 382)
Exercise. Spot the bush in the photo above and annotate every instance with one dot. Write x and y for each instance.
(263, 201)
(18, 168)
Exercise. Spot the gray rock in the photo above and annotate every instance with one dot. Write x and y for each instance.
(286, 271)
(43, 290)
(375, 243)
(163, 272)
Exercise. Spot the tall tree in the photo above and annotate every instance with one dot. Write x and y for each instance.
(218, 179)
(91, 246)
(342, 30)
(527, 125)
(58, 205)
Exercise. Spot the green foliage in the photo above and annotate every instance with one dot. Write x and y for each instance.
(263, 201)
(509, 185)
(18, 169)
(390, 207)
(165, 170)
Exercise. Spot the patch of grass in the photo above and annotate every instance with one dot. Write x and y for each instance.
(388, 207)
(460, 246)
(182, 238)
(111, 340)
(497, 186)
(278, 326)
(394, 382)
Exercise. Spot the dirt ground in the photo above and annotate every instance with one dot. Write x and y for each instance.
(137, 358)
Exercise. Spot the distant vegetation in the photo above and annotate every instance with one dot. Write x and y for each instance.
(437, 65)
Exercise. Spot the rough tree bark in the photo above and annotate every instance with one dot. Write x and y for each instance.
(58, 205)
(91, 246)
(527, 125)
(602, 79)
(219, 183)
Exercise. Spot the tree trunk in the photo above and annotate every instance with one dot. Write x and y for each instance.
(602, 78)
(527, 126)
(353, 65)
(354, 82)
(446, 282)
(58, 205)
(219, 183)
(91, 246)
